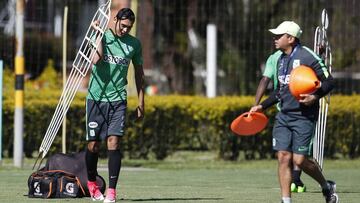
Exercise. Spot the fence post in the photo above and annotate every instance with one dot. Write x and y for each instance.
(211, 52)
(65, 21)
(19, 86)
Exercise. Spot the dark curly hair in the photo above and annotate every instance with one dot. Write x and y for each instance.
(126, 13)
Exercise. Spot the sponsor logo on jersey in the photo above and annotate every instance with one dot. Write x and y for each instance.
(284, 79)
(116, 60)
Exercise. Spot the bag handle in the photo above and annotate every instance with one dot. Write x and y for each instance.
(81, 187)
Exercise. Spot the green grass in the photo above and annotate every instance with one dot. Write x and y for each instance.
(197, 177)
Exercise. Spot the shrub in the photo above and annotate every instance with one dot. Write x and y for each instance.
(179, 122)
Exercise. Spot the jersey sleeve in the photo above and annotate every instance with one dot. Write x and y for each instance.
(321, 71)
(271, 65)
(137, 58)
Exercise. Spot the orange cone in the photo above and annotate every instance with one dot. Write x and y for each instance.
(303, 80)
(249, 123)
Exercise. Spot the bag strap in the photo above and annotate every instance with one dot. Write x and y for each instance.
(57, 173)
(81, 187)
(50, 190)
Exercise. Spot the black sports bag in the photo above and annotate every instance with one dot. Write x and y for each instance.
(54, 184)
(74, 163)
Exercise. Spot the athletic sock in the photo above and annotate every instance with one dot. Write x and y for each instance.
(286, 200)
(296, 178)
(91, 160)
(114, 165)
(326, 186)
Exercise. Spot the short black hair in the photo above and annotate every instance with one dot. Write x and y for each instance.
(126, 13)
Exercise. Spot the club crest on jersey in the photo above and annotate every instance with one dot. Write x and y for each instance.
(296, 63)
(127, 49)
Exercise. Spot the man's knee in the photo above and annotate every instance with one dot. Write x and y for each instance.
(93, 146)
(299, 159)
(284, 157)
(113, 142)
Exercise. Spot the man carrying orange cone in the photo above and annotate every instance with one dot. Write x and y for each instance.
(295, 122)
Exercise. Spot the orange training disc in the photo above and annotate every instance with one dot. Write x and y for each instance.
(303, 80)
(249, 123)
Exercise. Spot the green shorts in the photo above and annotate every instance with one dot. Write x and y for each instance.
(104, 119)
(293, 133)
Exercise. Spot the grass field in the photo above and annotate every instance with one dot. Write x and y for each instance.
(197, 177)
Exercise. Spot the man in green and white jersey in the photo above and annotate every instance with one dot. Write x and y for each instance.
(269, 74)
(106, 102)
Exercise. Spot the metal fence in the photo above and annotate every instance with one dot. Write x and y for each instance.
(173, 35)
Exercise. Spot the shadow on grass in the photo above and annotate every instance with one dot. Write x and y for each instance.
(171, 199)
(337, 191)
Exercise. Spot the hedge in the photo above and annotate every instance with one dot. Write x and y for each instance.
(178, 123)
